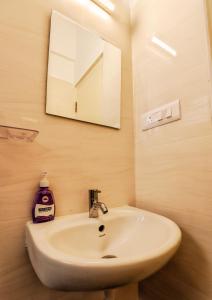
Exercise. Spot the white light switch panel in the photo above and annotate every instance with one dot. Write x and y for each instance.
(162, 115)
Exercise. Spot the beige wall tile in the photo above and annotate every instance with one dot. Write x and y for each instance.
(174, 162)
(78, 156)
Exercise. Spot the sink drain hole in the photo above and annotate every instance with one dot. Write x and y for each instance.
(101, 228)
(109, 256)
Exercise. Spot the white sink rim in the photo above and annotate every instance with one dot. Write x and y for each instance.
(37, 233)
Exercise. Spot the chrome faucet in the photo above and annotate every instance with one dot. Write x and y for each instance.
(95, 205)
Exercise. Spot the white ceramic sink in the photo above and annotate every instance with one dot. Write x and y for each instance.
(67, 253)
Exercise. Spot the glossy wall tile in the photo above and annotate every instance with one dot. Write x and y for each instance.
(77, 156)
(173, 162)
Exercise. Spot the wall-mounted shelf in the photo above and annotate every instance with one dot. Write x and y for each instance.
(19, 134)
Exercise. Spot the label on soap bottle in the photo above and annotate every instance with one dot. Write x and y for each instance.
(44, 210)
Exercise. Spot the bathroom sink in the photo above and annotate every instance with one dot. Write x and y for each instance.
(79, 253)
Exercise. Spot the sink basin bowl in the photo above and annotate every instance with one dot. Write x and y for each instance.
(77, 253)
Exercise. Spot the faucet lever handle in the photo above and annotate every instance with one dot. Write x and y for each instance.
(97, 191)
(95, 195)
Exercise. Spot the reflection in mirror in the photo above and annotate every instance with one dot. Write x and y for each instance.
(84, 74)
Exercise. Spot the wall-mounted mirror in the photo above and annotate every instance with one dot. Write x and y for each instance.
(84, 74)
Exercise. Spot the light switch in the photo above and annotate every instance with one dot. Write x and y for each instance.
(157, 116)
(168, 112)
(162, 115)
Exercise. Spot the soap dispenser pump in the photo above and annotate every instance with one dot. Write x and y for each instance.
(43, 209)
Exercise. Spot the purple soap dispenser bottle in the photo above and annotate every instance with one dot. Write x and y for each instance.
(43, 209)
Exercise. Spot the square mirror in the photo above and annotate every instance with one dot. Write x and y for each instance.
(84, 74)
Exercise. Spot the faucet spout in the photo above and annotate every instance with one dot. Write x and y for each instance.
(103, 208)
